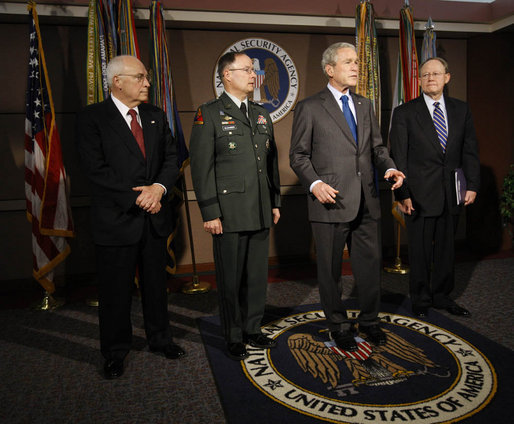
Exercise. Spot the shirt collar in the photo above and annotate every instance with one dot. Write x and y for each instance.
(430, 102)
(337, 94)
(122, 107)
(236, 100)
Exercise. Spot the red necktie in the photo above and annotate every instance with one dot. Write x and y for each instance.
(137, 131)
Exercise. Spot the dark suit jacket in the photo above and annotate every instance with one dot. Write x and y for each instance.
(114, 164)
(418, 154)
(234, 165)
(322, 147)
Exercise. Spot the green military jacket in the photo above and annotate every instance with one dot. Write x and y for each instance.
(234, 165)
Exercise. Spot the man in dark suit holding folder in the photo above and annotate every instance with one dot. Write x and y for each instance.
(433, 138)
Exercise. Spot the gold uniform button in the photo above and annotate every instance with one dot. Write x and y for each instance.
(258, 158)
(224, 191)
(256, 146)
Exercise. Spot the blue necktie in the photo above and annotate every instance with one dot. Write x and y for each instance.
(440, 126)
(349, 117)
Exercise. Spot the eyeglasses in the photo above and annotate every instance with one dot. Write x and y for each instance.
(432, 74)
(139, 77)
(247, 70)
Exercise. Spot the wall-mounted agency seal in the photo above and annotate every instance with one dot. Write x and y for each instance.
(423, 374)
(276, 85)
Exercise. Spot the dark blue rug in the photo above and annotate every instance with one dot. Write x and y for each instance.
(431, 371)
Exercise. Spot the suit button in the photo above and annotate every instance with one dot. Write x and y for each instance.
(359, 173)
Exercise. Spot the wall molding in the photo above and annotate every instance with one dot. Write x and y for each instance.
(253, 21)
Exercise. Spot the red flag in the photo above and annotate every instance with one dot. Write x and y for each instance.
(45, 177)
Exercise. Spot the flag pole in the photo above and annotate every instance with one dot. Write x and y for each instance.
(397, 267)
(195, 286)
(48, 303)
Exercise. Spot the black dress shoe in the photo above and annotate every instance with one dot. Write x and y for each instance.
(374, 334)
(171, 350)
(344, 340)
(458, 310)
(260, 340)
(420, 311)
(237, 351)
(113, 368)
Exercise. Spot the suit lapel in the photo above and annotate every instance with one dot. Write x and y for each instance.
(360, 111)
(427, 124)
(451, 116)
(118, 123)
(149, 126)
(252, 115)
(333, 109)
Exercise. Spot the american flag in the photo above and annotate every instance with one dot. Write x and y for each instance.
(260, 78)
(45, 177)
(362, 353)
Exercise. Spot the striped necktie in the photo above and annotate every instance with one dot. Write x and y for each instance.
(440, 126)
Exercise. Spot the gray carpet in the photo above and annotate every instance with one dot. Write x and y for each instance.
(50, 369)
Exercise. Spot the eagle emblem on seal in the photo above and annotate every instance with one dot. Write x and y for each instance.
(375, 366)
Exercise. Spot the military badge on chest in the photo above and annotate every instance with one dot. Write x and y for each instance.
(227, 122)
(232, 145)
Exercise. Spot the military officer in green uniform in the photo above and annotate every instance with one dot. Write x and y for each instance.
(234, 166)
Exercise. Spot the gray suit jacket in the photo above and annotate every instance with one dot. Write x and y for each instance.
(322, 147)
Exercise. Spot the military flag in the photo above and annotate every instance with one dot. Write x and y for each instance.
(406, 85)
(368, 84)
(428, 48)
(48, 207)
(127, 29)
(102, 46)
(163, 95)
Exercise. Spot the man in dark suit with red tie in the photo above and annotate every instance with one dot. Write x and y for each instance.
(129, 155)
(431, 137)
(336, 147)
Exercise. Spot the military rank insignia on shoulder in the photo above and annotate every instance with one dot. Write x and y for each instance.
(198, 117)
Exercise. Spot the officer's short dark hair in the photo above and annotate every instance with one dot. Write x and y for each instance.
(226, 60)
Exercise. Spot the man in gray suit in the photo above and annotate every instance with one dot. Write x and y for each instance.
(234, 166)
(336, 148)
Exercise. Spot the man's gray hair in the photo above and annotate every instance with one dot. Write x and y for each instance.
(439, 59)
(115, 67)
(330, 54)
